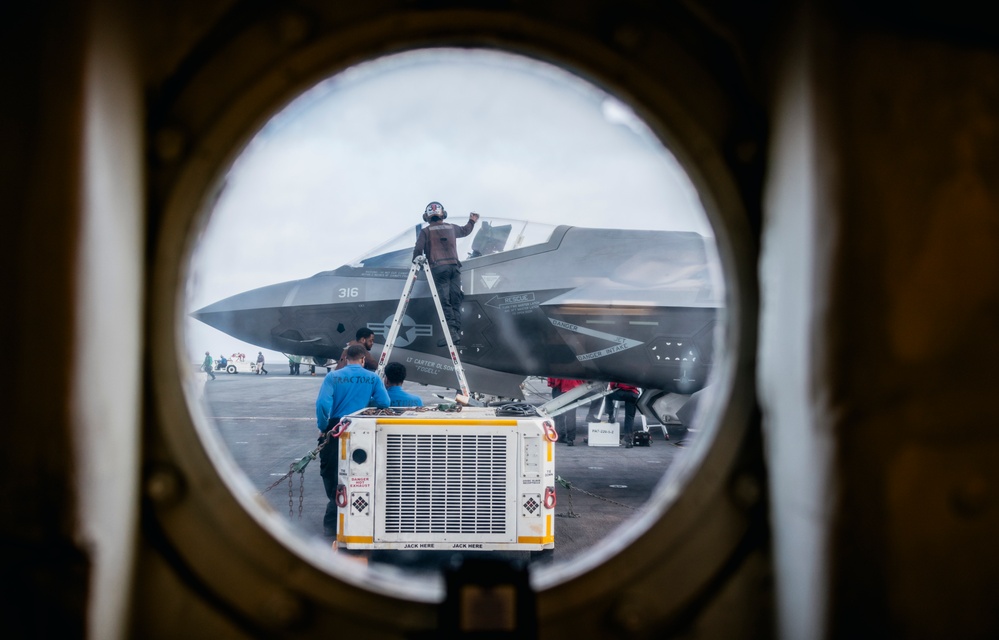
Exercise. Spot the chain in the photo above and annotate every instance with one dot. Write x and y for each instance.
(568, 485)
(570, 513)
(291, 484)
(277, 482)
(381, 412)
(449, 407)
(298, 467)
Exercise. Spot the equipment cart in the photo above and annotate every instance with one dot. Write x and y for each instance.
(469, 478)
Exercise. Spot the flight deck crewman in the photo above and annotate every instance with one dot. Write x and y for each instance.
(395, 375)
(343, 392)
(629, 396)
(206, 366)
(565, 423)
(437, 242)
(366, 338)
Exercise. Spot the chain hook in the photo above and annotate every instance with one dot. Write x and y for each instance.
(550, 499)
(339, 428)
(550, 433)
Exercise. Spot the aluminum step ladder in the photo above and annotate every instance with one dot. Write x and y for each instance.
(407, 293)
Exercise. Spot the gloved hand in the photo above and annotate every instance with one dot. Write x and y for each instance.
(420, 259)
(474, 216)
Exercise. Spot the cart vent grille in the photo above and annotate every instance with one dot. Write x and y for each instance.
(446, 483)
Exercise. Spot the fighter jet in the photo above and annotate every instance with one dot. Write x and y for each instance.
(639, 307)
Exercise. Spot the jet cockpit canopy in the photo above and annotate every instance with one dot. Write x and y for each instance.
(490, 236)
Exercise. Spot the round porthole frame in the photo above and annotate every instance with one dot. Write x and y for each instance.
(264, 577)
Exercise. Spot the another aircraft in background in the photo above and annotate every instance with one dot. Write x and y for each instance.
(639, 307)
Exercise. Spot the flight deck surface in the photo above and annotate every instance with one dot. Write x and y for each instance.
(268, 423)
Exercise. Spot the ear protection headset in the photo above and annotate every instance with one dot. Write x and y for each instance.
(434, 209)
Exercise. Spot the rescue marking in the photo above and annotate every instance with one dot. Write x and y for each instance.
(516, 304)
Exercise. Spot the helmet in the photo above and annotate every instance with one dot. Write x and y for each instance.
(434, 210)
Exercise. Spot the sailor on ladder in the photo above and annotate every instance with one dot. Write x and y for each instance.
(437, 240)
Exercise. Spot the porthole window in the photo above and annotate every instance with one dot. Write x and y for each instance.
(594, 257)
(592, 260)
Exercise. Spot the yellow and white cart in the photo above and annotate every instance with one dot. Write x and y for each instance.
(443, 480)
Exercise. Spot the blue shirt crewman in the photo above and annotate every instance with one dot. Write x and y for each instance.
(395, 375)
(343, 392)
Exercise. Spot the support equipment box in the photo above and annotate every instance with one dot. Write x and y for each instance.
(439, 480)
(604, 434)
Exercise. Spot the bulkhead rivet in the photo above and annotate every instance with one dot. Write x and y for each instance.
(164, 486)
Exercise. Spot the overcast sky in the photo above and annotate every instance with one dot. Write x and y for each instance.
(354, 161)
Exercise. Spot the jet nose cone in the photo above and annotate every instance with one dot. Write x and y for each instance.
(250, 315)
(275, 295)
